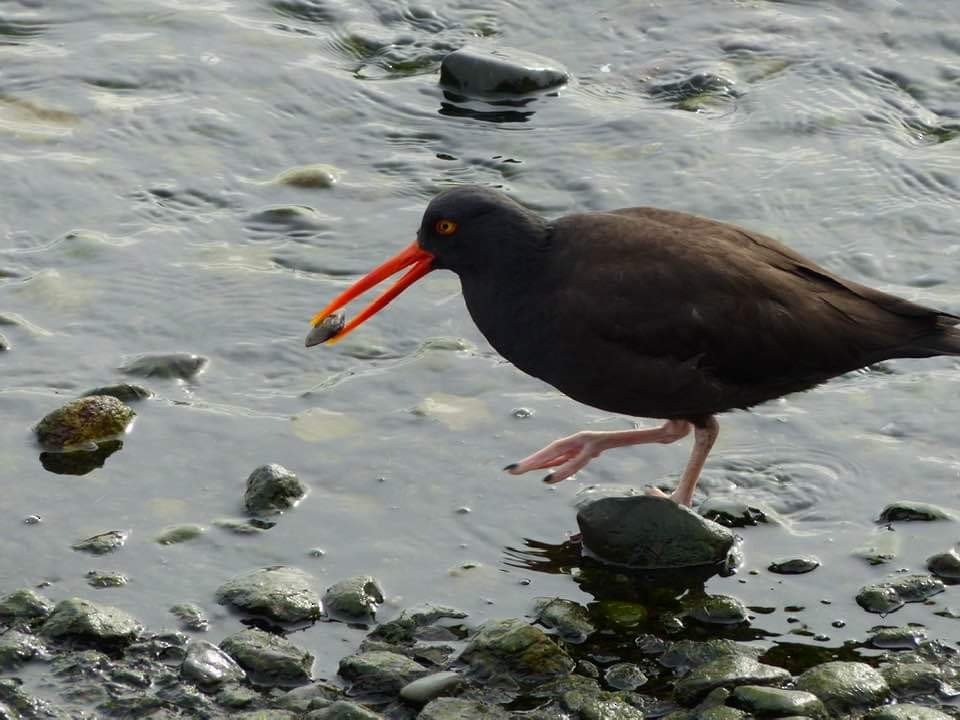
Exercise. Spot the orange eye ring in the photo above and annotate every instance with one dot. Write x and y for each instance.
(445, 227)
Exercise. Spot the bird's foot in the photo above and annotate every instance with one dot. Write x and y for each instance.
(676, 495)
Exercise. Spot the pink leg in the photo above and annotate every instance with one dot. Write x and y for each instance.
(571, 454)
(704, 436)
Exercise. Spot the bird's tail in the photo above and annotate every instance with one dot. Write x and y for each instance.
(944, 341)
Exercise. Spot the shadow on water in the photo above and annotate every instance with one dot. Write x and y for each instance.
(79, 462)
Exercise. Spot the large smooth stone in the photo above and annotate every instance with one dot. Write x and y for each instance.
(499, 71)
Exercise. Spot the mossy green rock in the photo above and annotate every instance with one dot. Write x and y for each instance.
(911, 679)
(906, 711)
(514, 648)
(768, 702)
(718, 610)
(845, 686)
(272, 489)
(380, 672)
(17, 647)
(78, 618)
(570, 619)
(692, 653)
(343, 710)
(25, 604)
(269, 659)
(461, 709)
(353, 600)
(82, 422)
(281, 593)
(726, 672)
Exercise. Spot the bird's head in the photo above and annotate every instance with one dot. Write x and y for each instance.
(466, 229)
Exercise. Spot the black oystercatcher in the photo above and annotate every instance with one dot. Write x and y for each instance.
(650, 313)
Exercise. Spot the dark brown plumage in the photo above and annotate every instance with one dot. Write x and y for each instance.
(655, 313)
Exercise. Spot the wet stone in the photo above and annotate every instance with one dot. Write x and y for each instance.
(18, 647)
(96, 624)
(124, 392)
(718, 610)
(98, 579)
(179, 534)
(794, 566)
(4, 343)
(353, 600)
(845, 686)
(651, 532)
(191, 616)
(462, 709)
(906, 711)
(765, 702)
(425, 689)
(380, 672)
(515, 649)
(206, 664)
(284, 594)
(570, 619)
(911, 679)
(272, 489)
(242, 527)
(726, 672)
(82, 423)
(915, 511)
(898, 638)
(916, 588)
(691, 653)
(309, 177)
(237, 697)
(178, 366)
(314, 696)
(102, 543)
(16, 704)
(731, 512)
(269, 659)
(343, 710)
(881, 599)
(624, 676)
(475, 71)
(413, 622)
(169, 648)
(945, 565)
(25, 604)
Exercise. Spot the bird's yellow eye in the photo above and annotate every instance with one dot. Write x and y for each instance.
(445, 227)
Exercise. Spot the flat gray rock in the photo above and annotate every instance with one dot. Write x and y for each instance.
(425, 689)
(281, 593)
(726, 672)
(648, 532)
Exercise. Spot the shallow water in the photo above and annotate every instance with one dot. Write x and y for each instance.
(138, 146)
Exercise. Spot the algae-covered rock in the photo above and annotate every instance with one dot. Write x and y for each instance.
(17, 647)
(272, 489)
(718, 610)
(881, 598)
(898, 638)
(906, 711)
(96, 624)
(83, 422)
(105, 579)
(380, 672)
(624, 676)
(765, 702)
(909, 679)
(191, 616)
(916, 511)
(343, 710)
(726, 672)
(102, 543)
(206, 664)
(515, 649)
(462, 709)
(845, 686)
(180, 534)
(425, 689)
(570, 619)
(24, 604)
(794, 566)
(475, 71)
(281, 593)
(315, 696)
(179, 366)
(124, 392)
(353, 600)
(693, 653)
(651, 532)
(917, 588)
(413, 623)
(269, 659)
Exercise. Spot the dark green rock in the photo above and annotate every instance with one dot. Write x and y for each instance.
(25, 604)
(281, 593)
(99, 579)
(265, 714)
(96, 624)
(718, 610)
(515, 649)
(272, 489)
(84, 422)
(721, 712)
(916, 511)
(570, 619)
(945, 565)
(794, 566)
(909, 679)
(353, 600)
(123, 392)
(176, 366)
(881, 599)
(726, 672)
(906, 711)
(269, 659)
(845, 686)
(650, 533)
(102, 543)
(461, 709)
(767, 702)
(380, 672)
(475, 71)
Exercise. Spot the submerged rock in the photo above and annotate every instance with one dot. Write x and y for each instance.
(316, 695)
(25, 604)
(191, 616)
(916, 588)
(571, 620)
(102, 543)
(845, 686)
(909, 510)
(775, 702)
(651, 532)
(284, 594)
(475, 71)
(624, 676)
(726, 672)
(425, 689)
(269, 659)
(83, 422)
(92, 623)
(380, 672)
(310, 177)
(353, 600)
(272, 489)
(794, 566)
(206, 664)
(515, 649)
(180, 366)
(101, 579)
(124, 392)
(463, 709)
(881, 599)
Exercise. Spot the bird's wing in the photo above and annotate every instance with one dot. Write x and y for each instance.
(741, 306)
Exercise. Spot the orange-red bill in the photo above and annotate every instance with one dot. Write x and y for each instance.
(412, 255)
